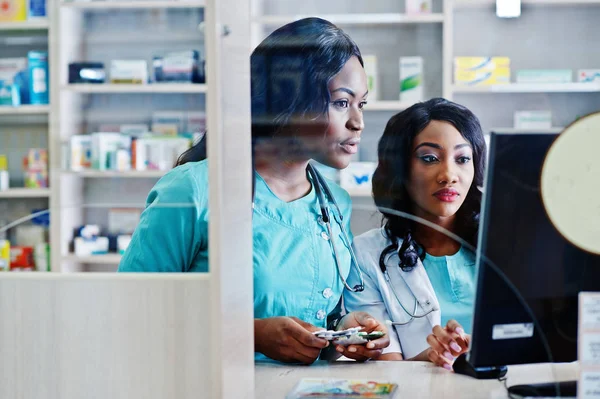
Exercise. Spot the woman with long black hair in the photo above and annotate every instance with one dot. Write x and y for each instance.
(426, 185)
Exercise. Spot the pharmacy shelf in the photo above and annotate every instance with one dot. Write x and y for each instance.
(107, 259)
(164, 88)
(357, 19)
(511, 130)
(530, 88)
(115, 5)
(102, 174)
(387, 106)
(25, 110)
(359, 192)
(490, 3)
(41, 24)
(143, 38)
(25, 193)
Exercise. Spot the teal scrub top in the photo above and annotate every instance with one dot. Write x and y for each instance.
(453, 279)
(294, 269)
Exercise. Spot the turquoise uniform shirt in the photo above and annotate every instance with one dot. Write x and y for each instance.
(294, 269)
(454, 280)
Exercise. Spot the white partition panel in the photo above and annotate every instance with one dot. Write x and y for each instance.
(230, 202)
(105, 336)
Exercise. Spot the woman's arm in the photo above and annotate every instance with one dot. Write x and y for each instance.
(395, 356)
(172, 228)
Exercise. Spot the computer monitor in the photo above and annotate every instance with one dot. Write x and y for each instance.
(526, 268)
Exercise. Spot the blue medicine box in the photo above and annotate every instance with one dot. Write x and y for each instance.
(38, 77)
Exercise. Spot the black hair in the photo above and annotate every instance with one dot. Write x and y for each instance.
(290, 73)
(395, 152)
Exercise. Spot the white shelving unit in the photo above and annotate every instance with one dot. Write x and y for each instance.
(529, 44)
(491, 3)
(157, 88)
(25, 193)
(25, 126)
(387, 106)
(531, 88)
(25, 110)
(65, 115)
(41, 24)
(359, 193)
(494, 105)
(370, 19)
(81, 107)
(124, 5)
(100, 174)
(106, 259)
(511, 130)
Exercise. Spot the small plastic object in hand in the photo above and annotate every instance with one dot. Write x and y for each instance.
(351, 336)
(330, 335)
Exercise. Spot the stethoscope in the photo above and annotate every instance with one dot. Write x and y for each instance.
(321, 186)
(412, 315)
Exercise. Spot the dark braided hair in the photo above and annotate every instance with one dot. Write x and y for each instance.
(389, 189)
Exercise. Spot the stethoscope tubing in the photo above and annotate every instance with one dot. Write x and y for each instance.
(321, 185)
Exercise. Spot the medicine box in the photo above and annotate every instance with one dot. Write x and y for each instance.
(358, 176)
(544, 76)
(531, 120)
(481, 63)
(370, 62)
(411, 79)
(38, 77)
(499, 75)
(588, 75)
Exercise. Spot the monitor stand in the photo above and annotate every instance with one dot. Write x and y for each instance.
(462, 366)
(564, 389)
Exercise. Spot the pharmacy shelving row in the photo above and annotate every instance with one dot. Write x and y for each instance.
(79, 42)
(66, 28)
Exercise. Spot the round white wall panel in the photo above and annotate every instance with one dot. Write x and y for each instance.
(570, 183)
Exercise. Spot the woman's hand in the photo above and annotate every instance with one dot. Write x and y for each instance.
(370, 350)
(446, 344)
(287, 339)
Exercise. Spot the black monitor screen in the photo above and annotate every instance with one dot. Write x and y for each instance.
(548, 272)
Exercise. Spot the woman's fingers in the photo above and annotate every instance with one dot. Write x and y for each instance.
(458, 333)
(440, 349)
(435, 358)
(448, 340)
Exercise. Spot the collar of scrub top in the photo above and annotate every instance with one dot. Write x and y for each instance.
(412, 315)
(321, 186)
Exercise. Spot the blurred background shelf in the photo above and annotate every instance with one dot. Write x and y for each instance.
(25, 193)
(510, 130)
(99, 174)
(387, 106)
(41, 24)
(136, 88)
(491, 3)
(359, 193)
(531, 88)
(25, 110)
(111, 5)
(107, 259)
(368, 19)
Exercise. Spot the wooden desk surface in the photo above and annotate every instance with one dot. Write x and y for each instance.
(414, 379)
